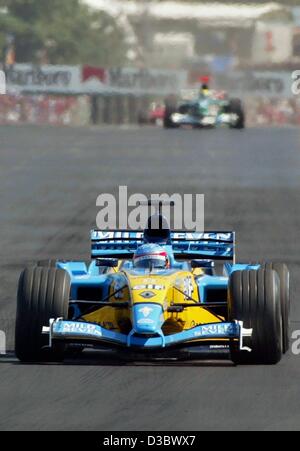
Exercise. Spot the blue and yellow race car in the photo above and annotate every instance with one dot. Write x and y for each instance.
(155, 294)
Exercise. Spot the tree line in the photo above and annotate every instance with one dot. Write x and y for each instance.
(59, 32)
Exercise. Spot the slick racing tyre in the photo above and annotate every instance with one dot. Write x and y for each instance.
(254, 298)
(284, 276)
(43, 293)
(168, 123)
(236, 107)
(170, 109)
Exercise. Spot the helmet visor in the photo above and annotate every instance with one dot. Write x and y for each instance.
(152, 261)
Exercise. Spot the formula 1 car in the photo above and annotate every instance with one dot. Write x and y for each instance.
(153, 116)
(184, 311)
(205, 112)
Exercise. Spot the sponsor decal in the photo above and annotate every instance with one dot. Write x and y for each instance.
(90, 72)
(148, 295)
(79, 328)
(119, 286)
(146, 311)
(86, 79)
(149, 281)
(43, 76)
(257, 83)
(188, 287)
(145, 322)
(197, 237)
(142, 79)
(148, 287)
(215, 330)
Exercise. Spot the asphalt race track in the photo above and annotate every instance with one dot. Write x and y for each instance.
(49, 181)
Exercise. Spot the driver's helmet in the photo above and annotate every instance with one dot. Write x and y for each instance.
(151, 256)
(204, 91)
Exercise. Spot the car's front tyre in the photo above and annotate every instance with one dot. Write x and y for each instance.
(254, 298)
(43, 293)
(284, 277)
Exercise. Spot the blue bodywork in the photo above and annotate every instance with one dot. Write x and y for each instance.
(81, 330)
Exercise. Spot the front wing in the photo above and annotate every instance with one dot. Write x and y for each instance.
(221, 120)
(89, 333)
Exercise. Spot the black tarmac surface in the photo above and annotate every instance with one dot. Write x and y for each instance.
(49, 181)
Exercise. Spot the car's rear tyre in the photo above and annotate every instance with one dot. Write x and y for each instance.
(168, 122)
(170, 109)
(47, 263)
(43, 293)
(236, 107)
(254, 298)
(284, 276)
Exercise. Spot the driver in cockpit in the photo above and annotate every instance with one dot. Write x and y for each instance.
(151, 256)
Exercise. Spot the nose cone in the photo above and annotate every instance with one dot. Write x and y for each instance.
(147, 318)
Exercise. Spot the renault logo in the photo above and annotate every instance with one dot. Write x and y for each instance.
(146, 311)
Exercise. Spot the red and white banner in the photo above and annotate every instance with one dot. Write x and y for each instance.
(25, 78)
(133, 81)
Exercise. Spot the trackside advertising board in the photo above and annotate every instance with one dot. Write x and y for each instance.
(257, 83)
(47, 79)
(25, 78)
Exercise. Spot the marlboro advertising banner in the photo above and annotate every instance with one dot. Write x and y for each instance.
(133, 81)
(25, 78)
(268, 84)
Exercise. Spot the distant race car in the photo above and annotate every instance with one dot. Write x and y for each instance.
(209, 110)
(153, 116)
(169, 305)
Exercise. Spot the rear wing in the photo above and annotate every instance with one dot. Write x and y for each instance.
(122, 244)
(207, 245)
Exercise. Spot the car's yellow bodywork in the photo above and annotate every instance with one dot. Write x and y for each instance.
(167, 289)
